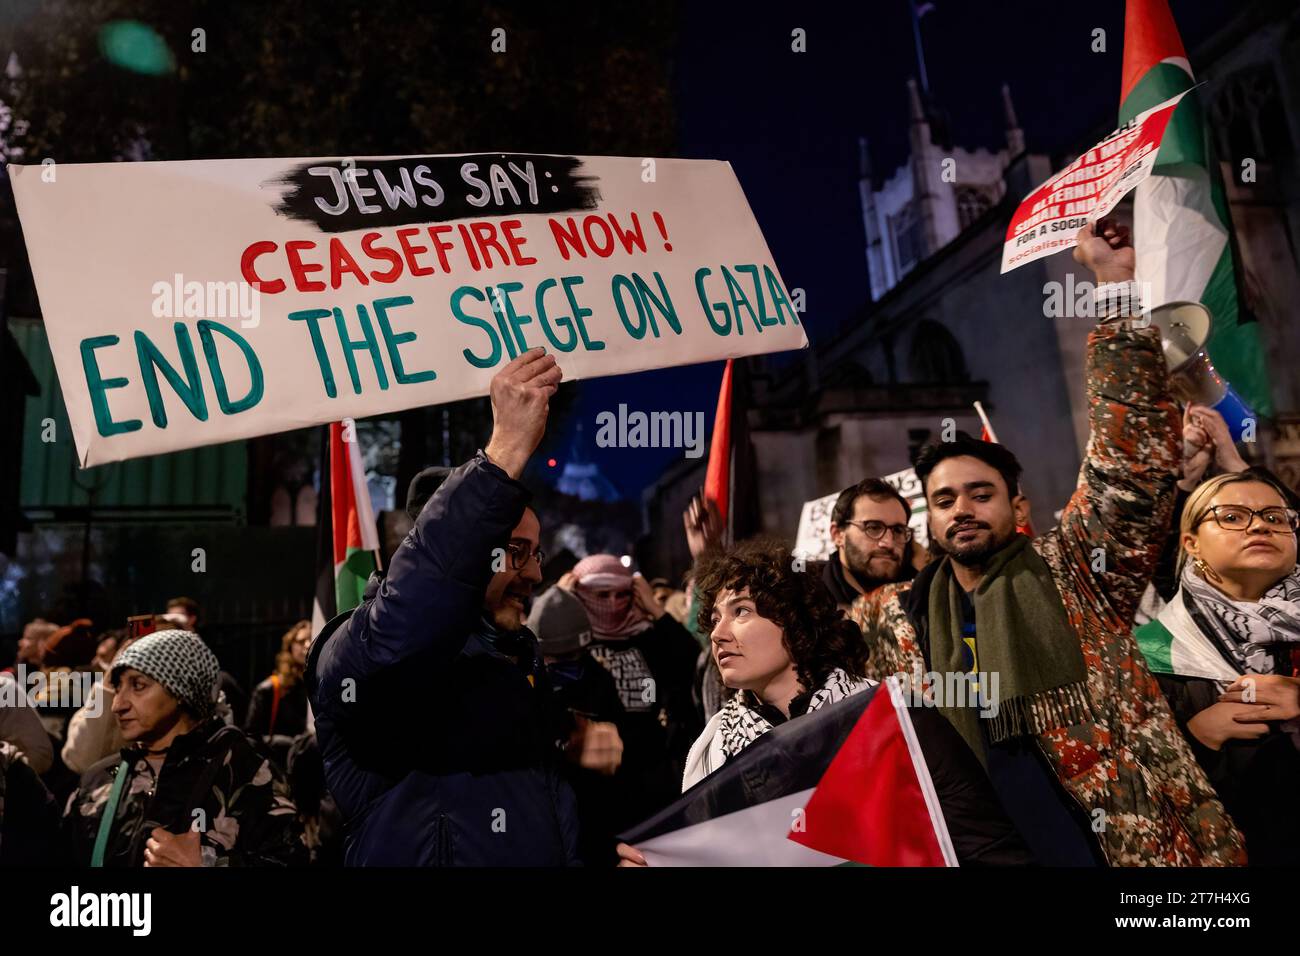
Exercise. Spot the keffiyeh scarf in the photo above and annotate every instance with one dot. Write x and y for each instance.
(741, 724)
(1249, 632)
(618, 616)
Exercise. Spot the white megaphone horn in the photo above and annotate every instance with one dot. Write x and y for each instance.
(1184, 329)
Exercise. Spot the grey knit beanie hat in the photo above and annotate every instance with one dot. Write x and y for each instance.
(181, 662)
(560, 622)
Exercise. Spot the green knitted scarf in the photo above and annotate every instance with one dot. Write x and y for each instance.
(1023, 635)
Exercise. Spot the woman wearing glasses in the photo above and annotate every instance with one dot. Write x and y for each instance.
(1225, 651)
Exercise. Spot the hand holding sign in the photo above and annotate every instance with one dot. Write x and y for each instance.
(1049, 218)
(521, 395)
(1106, 249)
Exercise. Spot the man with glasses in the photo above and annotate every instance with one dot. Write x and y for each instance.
(431, 699)
(872, 541)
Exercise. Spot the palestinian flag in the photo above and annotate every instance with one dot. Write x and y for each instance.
(352, 519)
(845, 784)
(1174, 644)
(1182, 229)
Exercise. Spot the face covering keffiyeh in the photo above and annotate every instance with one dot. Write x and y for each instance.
(614, 615)
(1248, 632)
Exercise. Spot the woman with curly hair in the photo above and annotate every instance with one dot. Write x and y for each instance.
(779, 643)
(784, 651)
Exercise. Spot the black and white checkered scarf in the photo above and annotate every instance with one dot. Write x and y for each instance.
(1249, 632)
(741, 724)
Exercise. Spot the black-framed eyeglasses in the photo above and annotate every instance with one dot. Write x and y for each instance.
(1240, 518)
(521, 553)
(875, 530)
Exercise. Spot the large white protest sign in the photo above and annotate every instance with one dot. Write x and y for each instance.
(1051, 216)
(189, 303)
(813, 540)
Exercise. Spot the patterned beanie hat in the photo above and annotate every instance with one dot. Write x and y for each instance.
(602, 571)
(181, 662)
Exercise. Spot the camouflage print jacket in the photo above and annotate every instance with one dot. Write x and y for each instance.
(1131, 763)
(213, 780)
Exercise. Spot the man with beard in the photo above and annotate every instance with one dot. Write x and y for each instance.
(872, 541)
(1026, 646)
(431, 701)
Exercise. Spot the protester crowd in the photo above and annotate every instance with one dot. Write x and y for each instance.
(1146, 653)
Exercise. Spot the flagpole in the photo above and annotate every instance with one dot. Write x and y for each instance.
(361, 497)
(984, 420)
(920, 51)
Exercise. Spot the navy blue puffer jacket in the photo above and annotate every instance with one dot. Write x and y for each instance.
(432, 724)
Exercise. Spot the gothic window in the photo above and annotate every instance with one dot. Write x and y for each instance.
(905, 231)
(936, 356)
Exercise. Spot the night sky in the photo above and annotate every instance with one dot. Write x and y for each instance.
(789, 123)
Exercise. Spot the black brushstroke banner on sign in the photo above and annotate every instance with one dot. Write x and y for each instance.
(343, 195)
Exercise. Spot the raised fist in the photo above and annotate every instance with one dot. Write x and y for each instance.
(521, 395)
(1106, 248)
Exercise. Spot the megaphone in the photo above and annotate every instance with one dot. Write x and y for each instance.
(1184, 329)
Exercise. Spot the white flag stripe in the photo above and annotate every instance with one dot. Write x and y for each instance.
(361, 494)
(1182, 63)
(984, 420)
(1178, 236)
(922, 771)
(754, 836)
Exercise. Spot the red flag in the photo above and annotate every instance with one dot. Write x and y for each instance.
(717, 480)
(876, 803)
